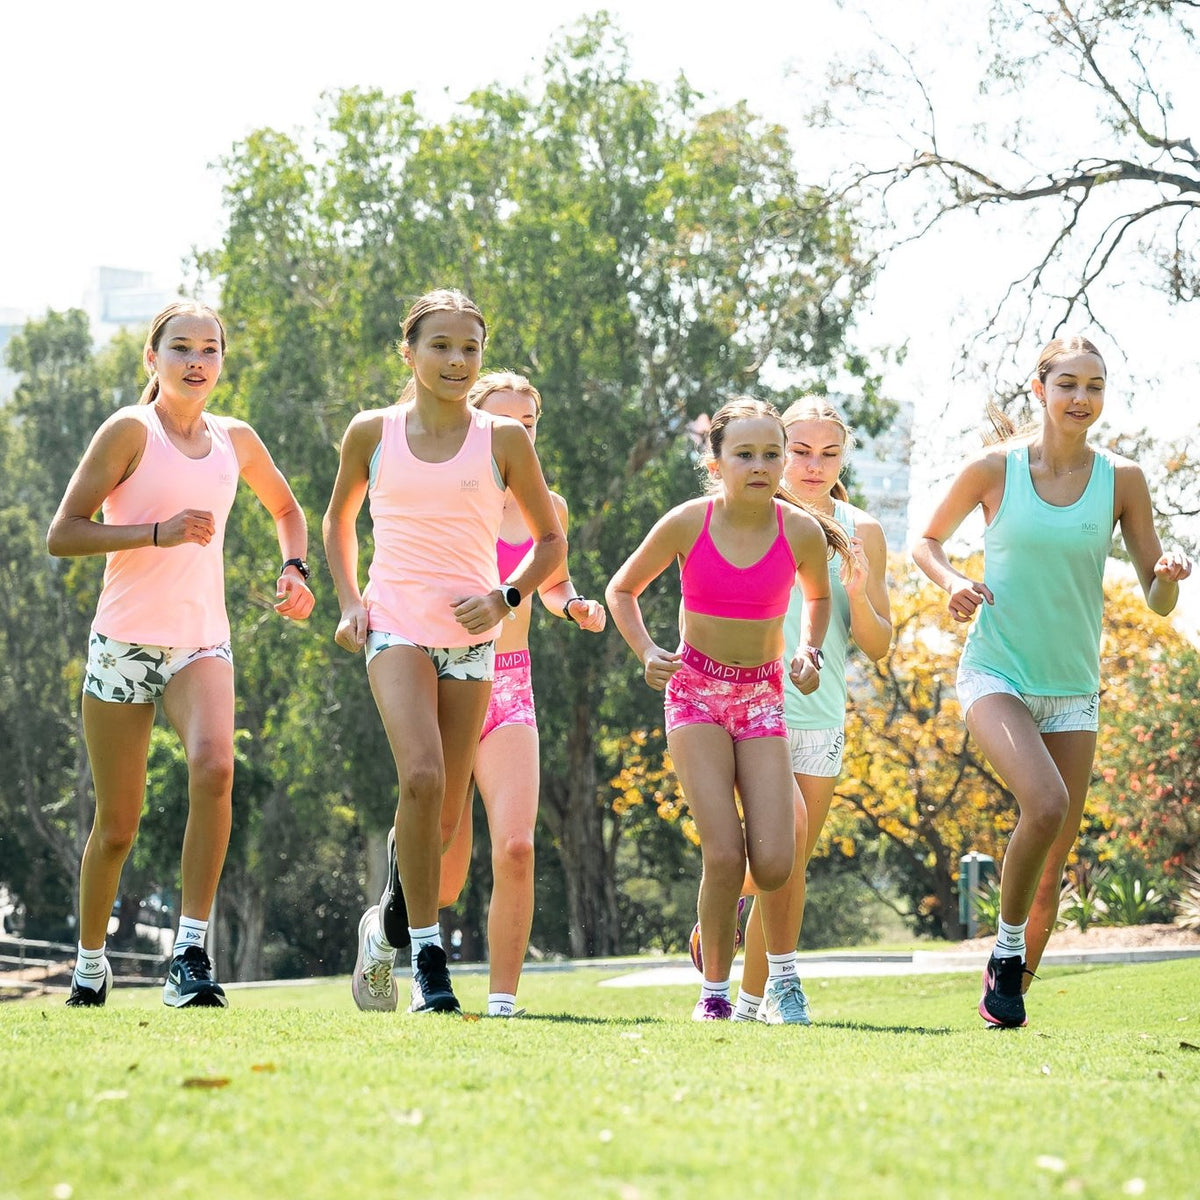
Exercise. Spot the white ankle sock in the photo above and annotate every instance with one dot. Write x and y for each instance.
(708, 989)
(747, 1005)
(191, 933)
(781, 966)
(1010, 940)
(429, 935)
(89, 968)
(501, 1004)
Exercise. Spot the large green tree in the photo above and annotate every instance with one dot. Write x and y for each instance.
(640, 254)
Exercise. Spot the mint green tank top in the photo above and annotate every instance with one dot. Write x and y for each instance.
(826, 707)
(1044, 564)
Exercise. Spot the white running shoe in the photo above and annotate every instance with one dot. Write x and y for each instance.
(372, 985)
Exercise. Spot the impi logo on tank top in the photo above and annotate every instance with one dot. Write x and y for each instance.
(469, 485)
(1089, 528)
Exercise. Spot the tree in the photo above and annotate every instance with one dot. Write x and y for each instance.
(639, 255)
(1116, 198)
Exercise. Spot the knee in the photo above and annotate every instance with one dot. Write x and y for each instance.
(423, 784)
(114, 839)
(210, 767)
(514, 854)
(772, 871)
(1044, 817)
(725, 868)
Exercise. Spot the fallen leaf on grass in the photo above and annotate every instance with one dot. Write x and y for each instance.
(206, 1081)
(412, 1117)
(1048, 1162)
(132, 1067)
(262, 1067)
(143, 1024)
(116, 1094)
(470, 1017)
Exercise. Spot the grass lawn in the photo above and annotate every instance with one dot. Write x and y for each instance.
(899, 1090)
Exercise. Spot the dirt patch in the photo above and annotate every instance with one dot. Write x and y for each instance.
(1109, 937)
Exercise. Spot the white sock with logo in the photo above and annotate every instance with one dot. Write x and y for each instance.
(1010, 940)
(747, 1005)
(708, 990)
(89, 968)
(501, 1004)
(781, 966)
(429, 935)
(191, 933)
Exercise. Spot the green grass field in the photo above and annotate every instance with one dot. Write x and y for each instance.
(898, 1090)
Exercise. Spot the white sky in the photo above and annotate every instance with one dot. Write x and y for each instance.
(115, 114)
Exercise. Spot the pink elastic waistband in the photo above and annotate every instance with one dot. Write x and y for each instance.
(512, 660)
(719, 670)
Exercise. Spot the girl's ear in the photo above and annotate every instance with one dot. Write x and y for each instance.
(406, 353)
(1038, 388)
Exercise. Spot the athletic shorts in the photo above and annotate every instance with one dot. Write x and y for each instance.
(125, 673)
(817, 751)
(1051, 714)
(512, 693)
(472, 663)
(747, 702)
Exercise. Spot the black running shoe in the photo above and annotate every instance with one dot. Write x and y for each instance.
(190, 982)
(1002, 1004)
(393, 912)
(86, 997)
(431, 991)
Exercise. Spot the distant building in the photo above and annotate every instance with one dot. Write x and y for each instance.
(881, 470)
(118, 298)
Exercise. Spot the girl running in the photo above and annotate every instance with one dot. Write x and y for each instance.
(506, 763)
(817, 442)
(164, 473)
(1029, 676)
(740, 551)
(436, 472)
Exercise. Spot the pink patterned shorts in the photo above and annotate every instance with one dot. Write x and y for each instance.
(747, 702)
(512, 693)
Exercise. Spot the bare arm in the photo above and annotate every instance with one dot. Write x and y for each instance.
(558, 592)
(266, 481)
(661, 546)
(870, 608)
(975, 486)
(338, 526)
(812, 573)
(1158, 572)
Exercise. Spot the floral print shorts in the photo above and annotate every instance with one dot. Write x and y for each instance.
(512, 693)
(473, 663)
(126, 673)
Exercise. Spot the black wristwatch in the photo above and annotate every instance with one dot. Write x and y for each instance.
(816, 656)
(510, 595)
(300, 566)
(567, 608)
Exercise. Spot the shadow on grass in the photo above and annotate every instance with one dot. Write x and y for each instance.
(576, 1019)
(865, 1027)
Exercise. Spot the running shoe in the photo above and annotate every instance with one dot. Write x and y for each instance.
(694, 940)
(190, 982)
(431, 990)
(1002, 1004)
(393, 912)
(785, 1003)
(372, 985)
(712, 1008)
(86, 997)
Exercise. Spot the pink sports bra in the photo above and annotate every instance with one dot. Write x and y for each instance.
(713, 587)
(510, 555)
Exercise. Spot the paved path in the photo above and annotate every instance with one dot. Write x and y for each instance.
(918, 962)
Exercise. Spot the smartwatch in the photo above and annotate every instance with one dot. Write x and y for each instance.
(300, 566)
(510, 595)
(567, 608)
(816, 656)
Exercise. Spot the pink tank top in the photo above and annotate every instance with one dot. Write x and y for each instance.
(713, 587)
(510, 555)
(436, 526)
(172, 595)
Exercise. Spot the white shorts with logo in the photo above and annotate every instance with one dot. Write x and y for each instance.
(1051, 714)
(126, 673)
(817, 751)
(471, 663)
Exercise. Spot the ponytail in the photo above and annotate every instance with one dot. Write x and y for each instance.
(836, 540)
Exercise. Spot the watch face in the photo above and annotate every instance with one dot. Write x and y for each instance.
(511, 596)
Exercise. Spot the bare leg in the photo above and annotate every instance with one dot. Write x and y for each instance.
(704, 763)
(1009, 738)
(506, 769)
(812, 796)
(766, 784)
(199, 704)
(432, 727)
(118, 741)
(1073, 753)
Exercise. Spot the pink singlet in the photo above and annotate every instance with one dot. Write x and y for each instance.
(510, 555)
(712, 586)
(170, 595)
(435, 533)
